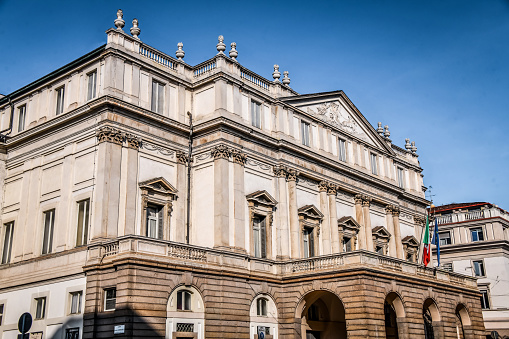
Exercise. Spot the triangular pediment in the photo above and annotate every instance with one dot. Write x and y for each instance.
(336, 110)
(262, 197)
(310, 211)
(158, 184)
(349, 222)
(380, 232)
(410, 240)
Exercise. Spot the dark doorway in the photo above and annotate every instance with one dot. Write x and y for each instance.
(312, 335)
(391, 324)
(428, 324)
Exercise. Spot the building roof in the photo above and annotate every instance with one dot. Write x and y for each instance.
(455, 206)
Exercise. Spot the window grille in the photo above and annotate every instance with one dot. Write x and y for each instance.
(72, 333)
(185, 327)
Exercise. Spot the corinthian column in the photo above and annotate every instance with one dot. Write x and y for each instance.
(366, 201)
(332, 191)
(282, 231)
(390, 228)
(397, 233)
(324, 207)
(294, 214)
(221, 155)
(359, 217)
(239, 160)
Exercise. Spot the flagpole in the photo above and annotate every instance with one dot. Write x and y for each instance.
(419, 253)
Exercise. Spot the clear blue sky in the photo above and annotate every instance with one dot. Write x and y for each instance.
(436, 72)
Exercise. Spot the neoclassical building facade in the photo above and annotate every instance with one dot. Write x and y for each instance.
(146, 198)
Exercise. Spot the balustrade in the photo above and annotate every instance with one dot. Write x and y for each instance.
(254, 78)
(204, 68)
(158, 57)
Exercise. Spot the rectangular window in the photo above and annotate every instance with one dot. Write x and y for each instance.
(445, 238)
(485, 299)
(157, 97)
(49, 224)
(347, 244)
(477, 234)
(110, 299)
(304, 133)
(478, 266)
(40, 308)
(92, 80)
(256, 119)
(401, 177)
(259, 237)
(309, 243)
(185, 327)
(8, 235)
(22, 112)
(447, 267)
(342, 150)
(155, 222)
(82, 227)
(75, 302)
(1, 313)
(72, 333)
(60, 100)
(374, 167)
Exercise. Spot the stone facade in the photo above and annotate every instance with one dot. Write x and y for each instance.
(209, 202)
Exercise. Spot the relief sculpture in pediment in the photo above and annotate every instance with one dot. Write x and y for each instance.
(331, 112)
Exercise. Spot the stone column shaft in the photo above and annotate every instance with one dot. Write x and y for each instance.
(325, 228)
(221, 196)
(294, 218)
(359, 217)
(390, 228)
(239, 198)
(179, 231)
(283, 242)
(397, 234)
(336, 244)
(367, 225)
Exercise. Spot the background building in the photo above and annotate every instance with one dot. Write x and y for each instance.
(474, 240)
(293, 215)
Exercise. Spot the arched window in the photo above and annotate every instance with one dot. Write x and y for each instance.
(184, 300)
(261, 307)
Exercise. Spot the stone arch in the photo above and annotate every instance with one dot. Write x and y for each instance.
(321, 314)
(263, 316)
(185, 313)
(394, 316)
(431, 319)
(463, 322)
(399, 306)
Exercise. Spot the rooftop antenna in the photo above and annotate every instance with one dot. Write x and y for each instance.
(431, 196)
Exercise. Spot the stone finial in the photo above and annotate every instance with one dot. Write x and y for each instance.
(387, 134)
(380, 129)
(407, 144)
(119, 22)
(286, 79)
(135, 30)
(180, 52)
(413, 148)
(221, 47)
(233, 52)
(276, 74)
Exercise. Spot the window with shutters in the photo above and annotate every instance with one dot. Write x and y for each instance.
(261, 207)
(157, 97)
(157, 197)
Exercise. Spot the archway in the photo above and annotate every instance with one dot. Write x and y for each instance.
(394, 313)
(322, 316)
(431, 317)
(185, 314)
(463, 322)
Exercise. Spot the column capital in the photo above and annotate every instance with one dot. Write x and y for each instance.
(419, 220)
(332, 189)
(366, 201)
(239, 157)
(395, 211)
(133, 141)
(279, 171)
(292, 174)
(323, 185)
(110, 134)
(358, 199)
(182, 158)
(388, 209)
(221, 152)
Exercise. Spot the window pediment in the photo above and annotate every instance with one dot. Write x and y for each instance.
(349, 223)
(310, 212)
(410, 241)
(380, 232)
(159, 185)
(262, 198)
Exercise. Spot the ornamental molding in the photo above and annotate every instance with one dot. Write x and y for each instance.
(239, 157)
(182, 158)
(110, 134)
(133, 141)
(159, 149)
(221, 152)
(332, 113)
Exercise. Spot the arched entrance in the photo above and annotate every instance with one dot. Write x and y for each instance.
(322, 316)
(430, 317)
(462, 322)
(394, 313)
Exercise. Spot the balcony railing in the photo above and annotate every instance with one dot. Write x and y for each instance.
(190, 255)
(157, 56)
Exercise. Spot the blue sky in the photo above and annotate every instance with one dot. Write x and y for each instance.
(436, 72)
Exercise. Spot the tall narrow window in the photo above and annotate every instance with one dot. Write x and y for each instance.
(22, 112)
(256, 119)
(478, 266)
(374, 167)
(259, 237)
(309, 242)
(110, 299)
(261, 307)
(9, 232)
(75, 302)
(342, 150)
(477, 234)
(92, 80)
(60, 100)
(445, 238)
(485, 300)
(155, 222)
(82, 227)
(184, 300)
(40, 308)
(1, 313)
(304, 133)
(157, 97)
(49, 223)
(401, 178)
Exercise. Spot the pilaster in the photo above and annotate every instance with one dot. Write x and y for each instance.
(359, 217)
(390, 228)
(181, 203)
(333, 215)
(131, 183)
(397, 233)
(239, 160)
(282, 231)
(221, 156)
(326, 226)
(295, 234)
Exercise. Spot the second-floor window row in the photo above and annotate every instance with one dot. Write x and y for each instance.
(157, 104)
(60, 100)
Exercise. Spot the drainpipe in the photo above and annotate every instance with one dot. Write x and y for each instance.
(189, 159)
(3, 137)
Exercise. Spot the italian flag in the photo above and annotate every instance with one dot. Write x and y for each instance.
(426, 253)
